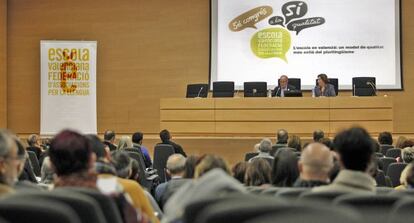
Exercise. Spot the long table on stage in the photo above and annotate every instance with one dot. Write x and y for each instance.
(263, 116)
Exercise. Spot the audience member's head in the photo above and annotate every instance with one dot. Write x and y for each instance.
(385, 138)
(239, 171)
(258, 173)
(137, 137)
(327, 142)
(256, 147)
(122, 163)
(407, 154)
(71, 153)
(134, 170)
(265, 145)
(33, 140)
(210, 162)
(109, 136)
(318, 135)
(165, 135)
(97, 147)
(407, 143)
(285, 168)
(316, 162)
(407, 176)
(125, 142)
(295, 143)
(282, 136)
(176, 165)
(355, 148)
(190, 165)
(400, 140)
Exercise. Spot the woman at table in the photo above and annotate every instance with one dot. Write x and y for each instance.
(323, 88)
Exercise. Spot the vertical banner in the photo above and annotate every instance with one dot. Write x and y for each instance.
(68, 86)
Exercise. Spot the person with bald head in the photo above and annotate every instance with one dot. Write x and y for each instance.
(176, 170)
(283, 86)
(314, 165)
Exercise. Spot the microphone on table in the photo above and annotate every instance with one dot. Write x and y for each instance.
(199, 92)
(373, 87)
(254, 91)
(353, 93)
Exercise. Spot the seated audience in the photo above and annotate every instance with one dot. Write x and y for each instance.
(10, 163)
(407, 154)
(175, 169)
(137, 144)
(323, 88)
(285, 168)
(318, 135)
(27, 178)
(282, 138)
(295, 143)
(258, 173)
(109, 139)
(315, 164)
(327, 142)
(34, 145)
(356, 150)
(264, 151)
(190, 165)
(165, 137)
(256, 147)
(407, 143)
(239, 171)
(125, 143)
(134, 170)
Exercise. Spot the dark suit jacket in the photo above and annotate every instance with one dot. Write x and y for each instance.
(276, 92)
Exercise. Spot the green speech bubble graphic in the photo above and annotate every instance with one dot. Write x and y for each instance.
(272, 42)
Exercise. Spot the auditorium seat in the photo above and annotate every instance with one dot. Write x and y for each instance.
(106, 203)
(384, 190)
(385, 148)
(402, 211)
(384, 162)
(146, 178)
(23, 210)
(271, 191)
(394, 153)
(161, 154)
(35, 162)
(291, 193)
(255, 189)
(394, 172)
(323, 196)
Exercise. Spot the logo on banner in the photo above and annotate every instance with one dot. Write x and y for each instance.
(68, 71)
(275, 42)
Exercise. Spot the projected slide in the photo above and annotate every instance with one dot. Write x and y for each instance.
(259, 40)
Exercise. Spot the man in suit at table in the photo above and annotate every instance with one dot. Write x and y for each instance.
(283, 86)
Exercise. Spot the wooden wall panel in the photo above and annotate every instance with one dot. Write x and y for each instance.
(147, 50)
(3, 63)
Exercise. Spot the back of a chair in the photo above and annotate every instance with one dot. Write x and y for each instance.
(323, 196)
(255, 189)
(85, 207)
(296, 82)
(385, 148)
(394, 172)
(271, 191)
(384, 162)
(35, 162)
(402, 211)
(380, 179)
(161, 154)
(248, 156)
(384, 190)
(255, 89)
(106, 203)
(141, 169)
(291, 193)
(394, 153)
(22, 210)
(375, 208)
(197, 90)
(364, 86)
(223, 89)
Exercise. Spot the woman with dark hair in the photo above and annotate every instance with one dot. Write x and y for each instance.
(323, 88)
(285, 168)
(190, 165)
(258, 173)
(239, 171)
